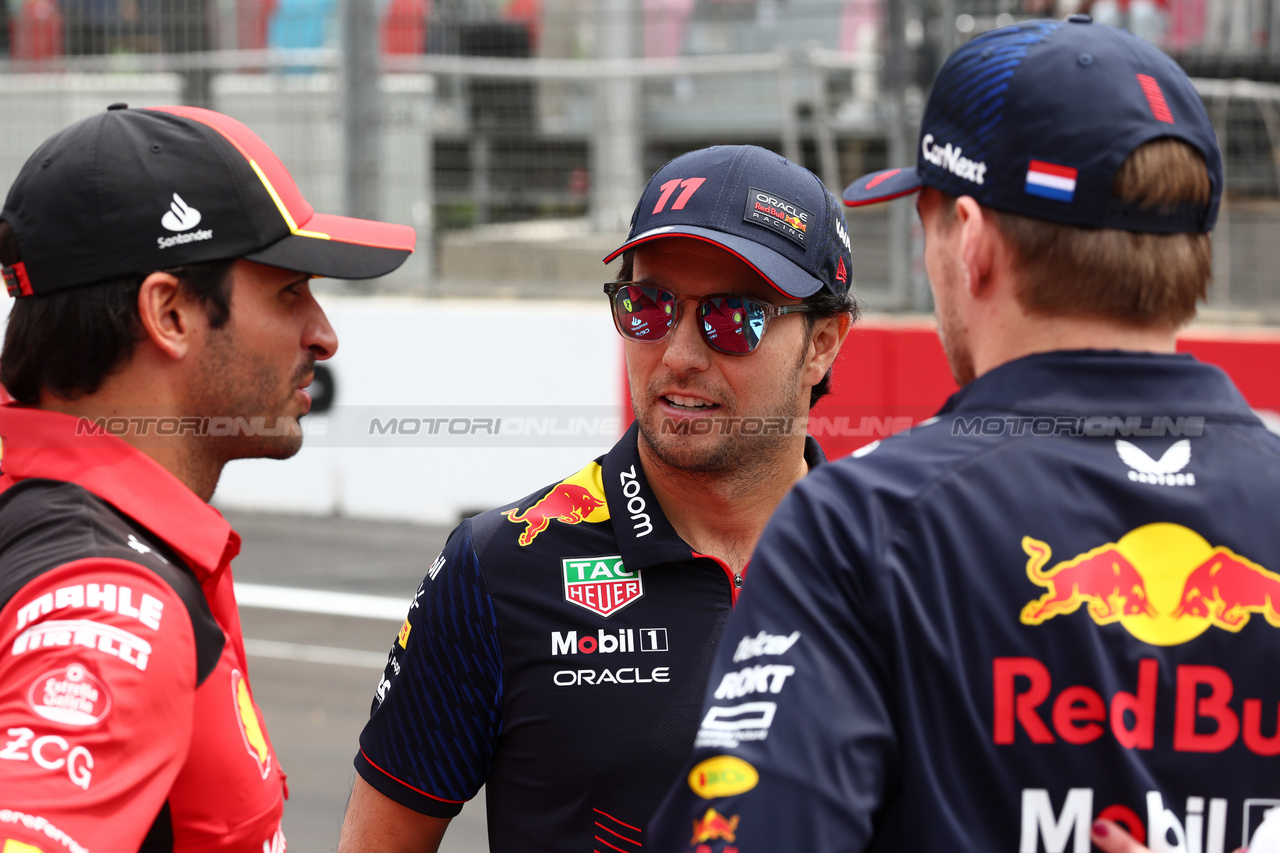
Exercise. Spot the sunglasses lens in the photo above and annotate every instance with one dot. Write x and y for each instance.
(732, 325)
(644, 313)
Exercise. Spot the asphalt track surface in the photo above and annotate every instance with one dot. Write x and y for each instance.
(314, 671)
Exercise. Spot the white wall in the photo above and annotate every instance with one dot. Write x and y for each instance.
(397, 353)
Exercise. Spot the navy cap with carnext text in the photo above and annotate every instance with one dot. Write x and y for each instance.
(774, 215)
(1037, 118)
(128, 192)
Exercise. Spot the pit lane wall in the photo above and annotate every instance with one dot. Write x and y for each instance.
(444, 408)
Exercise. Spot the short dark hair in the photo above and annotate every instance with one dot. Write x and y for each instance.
(69, 341)
(826, 304)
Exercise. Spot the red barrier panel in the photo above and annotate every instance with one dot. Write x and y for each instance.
(892, 374)
(1252, 358)
(888, 376)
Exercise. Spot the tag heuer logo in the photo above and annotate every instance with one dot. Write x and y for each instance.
(600, 584)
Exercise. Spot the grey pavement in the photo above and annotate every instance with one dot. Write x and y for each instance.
(315, 711)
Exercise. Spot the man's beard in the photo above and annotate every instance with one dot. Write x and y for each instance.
(730, 453)
(234, 385)
(955, 340)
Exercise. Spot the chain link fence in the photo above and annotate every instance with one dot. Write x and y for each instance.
(515, 135)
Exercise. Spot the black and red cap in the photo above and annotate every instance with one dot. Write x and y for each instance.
(1037, 118)
(776, 216)
(132, 190)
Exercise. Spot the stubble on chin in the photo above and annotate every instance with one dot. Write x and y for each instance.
(955, 345)
(704, 454)
(723, 452)
(234, 385)
(954, 337)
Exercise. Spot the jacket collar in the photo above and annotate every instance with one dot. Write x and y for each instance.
(1105, 383)
(53, 446)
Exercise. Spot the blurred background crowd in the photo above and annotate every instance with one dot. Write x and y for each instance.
(516, 134)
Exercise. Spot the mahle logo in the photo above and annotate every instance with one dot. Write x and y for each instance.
(1164, 583)
(600, 584)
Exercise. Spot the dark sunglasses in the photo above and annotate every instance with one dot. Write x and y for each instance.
(733, 325)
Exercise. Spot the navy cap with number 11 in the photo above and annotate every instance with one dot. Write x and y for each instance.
(774, 215)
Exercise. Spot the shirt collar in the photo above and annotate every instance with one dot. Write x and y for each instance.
(645, 536)
(47, 445)
(1105, 383)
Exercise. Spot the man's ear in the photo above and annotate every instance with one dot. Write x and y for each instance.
(824, 345)
(168, 317)
(977, 244)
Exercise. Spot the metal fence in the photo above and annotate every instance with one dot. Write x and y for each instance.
(515, 135)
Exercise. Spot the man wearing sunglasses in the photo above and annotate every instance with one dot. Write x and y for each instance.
(558, 648)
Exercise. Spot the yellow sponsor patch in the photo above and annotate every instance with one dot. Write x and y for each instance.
(255, 740)
(403, 637)
(722, 776)
(13, 846)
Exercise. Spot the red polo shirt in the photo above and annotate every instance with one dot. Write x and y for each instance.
(125, 710)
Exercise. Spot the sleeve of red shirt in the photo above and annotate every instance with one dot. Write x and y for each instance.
(97, 683)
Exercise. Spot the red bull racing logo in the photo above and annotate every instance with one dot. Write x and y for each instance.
(575, 500)
(1164, 583)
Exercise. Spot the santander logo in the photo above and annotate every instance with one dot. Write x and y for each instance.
(181, 216)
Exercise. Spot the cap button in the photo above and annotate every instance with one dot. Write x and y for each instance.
(118, 105)
(1079, 18)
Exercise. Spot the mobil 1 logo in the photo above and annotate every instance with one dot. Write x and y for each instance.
(607, 642)
(602, 585)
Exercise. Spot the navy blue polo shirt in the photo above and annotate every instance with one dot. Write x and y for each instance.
(556, 652)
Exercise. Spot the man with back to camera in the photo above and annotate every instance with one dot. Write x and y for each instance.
(163, 325)
(557, 648)
(1055, 603)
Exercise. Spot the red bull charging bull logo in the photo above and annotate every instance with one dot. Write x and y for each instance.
(1164, 583)
(575, 500)
(714, 826)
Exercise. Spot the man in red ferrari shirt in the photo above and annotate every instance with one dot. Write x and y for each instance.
(163, 325)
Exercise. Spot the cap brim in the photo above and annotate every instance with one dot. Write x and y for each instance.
(884, 185)
(340, 247)
(787, 278)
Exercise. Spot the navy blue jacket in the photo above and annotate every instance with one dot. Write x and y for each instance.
(1057, 600)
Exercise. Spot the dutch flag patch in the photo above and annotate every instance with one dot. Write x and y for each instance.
(1049, 180)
